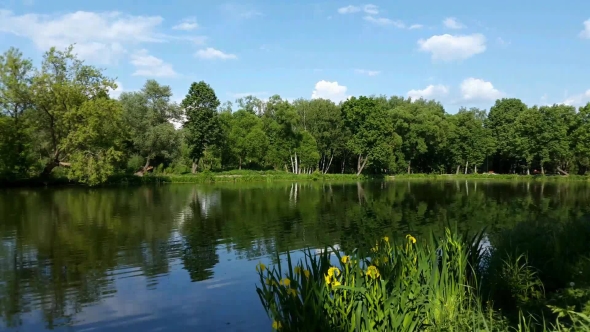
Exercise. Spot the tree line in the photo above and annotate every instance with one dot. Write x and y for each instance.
(59, 118)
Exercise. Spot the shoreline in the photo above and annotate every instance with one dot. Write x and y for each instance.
(262, 176)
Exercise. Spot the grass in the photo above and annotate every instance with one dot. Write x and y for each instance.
(236, 176)
(432, 284)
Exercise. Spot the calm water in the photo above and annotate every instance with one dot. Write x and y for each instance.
(182, 257)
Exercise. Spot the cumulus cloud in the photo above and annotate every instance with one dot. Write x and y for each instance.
(99, 37)
(382, 21)
(578, 100)
(586, 32)
(329, 90)
(187, 24)
(350, 9)
(475, 89)
(371, 9)
(367, 72)
(210, 53)
(150, 66)
(448, 47)
(429, 92)
(452, 23)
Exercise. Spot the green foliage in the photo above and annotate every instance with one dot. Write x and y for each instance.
(202, 125)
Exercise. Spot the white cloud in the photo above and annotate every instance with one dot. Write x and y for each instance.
(415, 26)
(448, 47)
(586, 32)
(329, 90)
(101, 37)
(367, 72)
(452, 23)
(210, 53)
(116, 92)
(502, 42)
(384, 21)
(150, 66)
(187, 24)
(475, 89)
(429, 92)
(371, 9)
(240, 11)
(578, 100)
(349, 9)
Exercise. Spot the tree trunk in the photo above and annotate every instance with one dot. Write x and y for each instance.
(542, 170)
(296, 164)
(475, 169)
(361, 164)
(195, 166)
(528, 171)
(240, 164)
(458, 168)
(562, 171)
(409, 167)
(329, 164)
(466, 166)
(292, 164)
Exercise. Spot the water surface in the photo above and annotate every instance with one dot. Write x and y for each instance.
(182, 257)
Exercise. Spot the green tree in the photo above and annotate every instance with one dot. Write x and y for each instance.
(16, 75)
(202, 125)
(373, 137)
(59, 92)
(500, 121)
(148, 114)
(469, 140)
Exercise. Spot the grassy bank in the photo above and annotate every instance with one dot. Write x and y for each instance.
(435, 284)
(237, 176)
(485, 176)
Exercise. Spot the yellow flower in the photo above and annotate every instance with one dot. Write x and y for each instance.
(298, 269)
(386, 239)
(306, 273)
(260, 267)
(328, 279)
(333, 271)
(385, 260)
(276, 325)
(268, 281)
(375, 249)
(292, 291)
(345, 259)
(336, 283)
(373, 272)
(285, 282)
(411, 238)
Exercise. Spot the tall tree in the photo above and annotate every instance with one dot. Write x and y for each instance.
(59, 92)
(202, 125)
(373, 137)
(149, 114)
(15, 98)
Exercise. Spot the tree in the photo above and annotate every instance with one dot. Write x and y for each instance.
(248, 141)
(200, 106)
(148, 114)
(500, 121)
(59, 91)
(15, 98)
(469, 140)
(372, 132)
(580, 143)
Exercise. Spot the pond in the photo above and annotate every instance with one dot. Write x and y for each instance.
(182, 257)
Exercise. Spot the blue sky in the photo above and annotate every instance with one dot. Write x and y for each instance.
(459, 52)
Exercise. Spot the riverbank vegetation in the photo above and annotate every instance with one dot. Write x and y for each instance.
(59, 120)
(447, 283)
